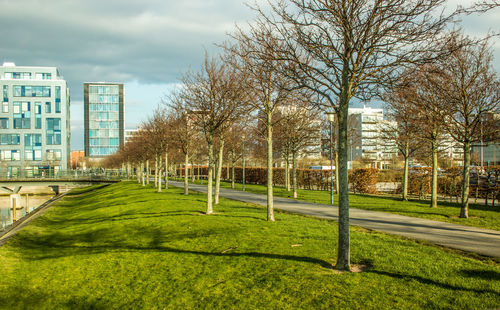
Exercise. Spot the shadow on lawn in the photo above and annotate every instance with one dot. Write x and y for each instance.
(435, 283)
(57, 245)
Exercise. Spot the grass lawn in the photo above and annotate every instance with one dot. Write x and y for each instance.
(479, 215)
(128, 247)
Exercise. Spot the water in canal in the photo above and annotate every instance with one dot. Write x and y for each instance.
(6, 214)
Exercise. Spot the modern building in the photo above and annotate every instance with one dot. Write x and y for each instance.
(34, 121)
(366, 139)
(103, 114)
(77, 159)
(129, 133)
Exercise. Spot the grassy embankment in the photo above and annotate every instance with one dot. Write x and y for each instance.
(479, 215)
(125, 246)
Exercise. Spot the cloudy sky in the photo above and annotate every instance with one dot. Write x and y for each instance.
(145, 44)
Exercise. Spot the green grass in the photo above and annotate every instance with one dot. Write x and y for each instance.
(479, 215)
(128, 247)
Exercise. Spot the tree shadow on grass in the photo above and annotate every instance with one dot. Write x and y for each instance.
(57, 245)
(434, 283)
(482, 274)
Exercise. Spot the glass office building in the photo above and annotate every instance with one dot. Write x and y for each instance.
(104, 131)
(34, 121)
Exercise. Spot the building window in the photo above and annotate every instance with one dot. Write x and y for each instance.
(22, 115)
(11, 155)
(6, 93)
(31, 91)
(43, 76)
(54, 155)
(18, 75)
(4, 123)
(47, 107)
(38, 115)
(10, 139)
(5, 107)
(53, 131)
(33, 147)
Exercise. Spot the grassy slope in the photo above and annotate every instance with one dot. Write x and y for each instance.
(125, 246)
(479, 215)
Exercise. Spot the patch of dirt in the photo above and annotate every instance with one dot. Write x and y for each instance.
(354, 268)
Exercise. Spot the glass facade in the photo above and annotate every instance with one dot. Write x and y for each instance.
(34, 121)
(103, 120)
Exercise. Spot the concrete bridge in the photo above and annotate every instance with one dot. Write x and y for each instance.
(14, 185)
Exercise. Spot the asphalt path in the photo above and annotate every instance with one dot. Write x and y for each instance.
(467, 238)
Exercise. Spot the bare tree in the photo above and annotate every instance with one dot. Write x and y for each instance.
(469, 85)
(344, 49)
(405, 132)
(255, 58)
(209, 96)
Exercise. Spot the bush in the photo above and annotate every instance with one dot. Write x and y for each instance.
(364, 180)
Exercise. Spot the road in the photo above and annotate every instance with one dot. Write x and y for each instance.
(467, 238)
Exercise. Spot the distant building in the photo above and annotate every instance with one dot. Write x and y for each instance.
(366, 139)
(103, 114)
(129, 133)
(34, 120)
(77, 159)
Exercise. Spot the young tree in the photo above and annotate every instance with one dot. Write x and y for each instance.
(405, 132)
(471, 89)
(343, 49)
(255, 58)
(209, 96)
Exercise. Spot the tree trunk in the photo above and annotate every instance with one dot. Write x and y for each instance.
(343, 256)
(142, 174)
(294, 173)
(336, 171)
(287, 172)
(209, 177)
(434, 174)
(464, 210)
(166, 170)
(232, 169)
(405, 173)
(218, 174)
(269, 138)
(192, 171)
(156, 171)
(138, 173)
(160, 168)
(147, 171)
(186, 173)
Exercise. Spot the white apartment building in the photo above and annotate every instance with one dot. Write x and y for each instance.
(34, 121)
(366, 140)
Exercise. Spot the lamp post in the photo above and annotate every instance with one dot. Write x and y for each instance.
(331, 119)
(243, 159)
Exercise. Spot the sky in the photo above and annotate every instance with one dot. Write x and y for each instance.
(145, 44)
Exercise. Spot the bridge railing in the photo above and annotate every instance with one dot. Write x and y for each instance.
(95, 174)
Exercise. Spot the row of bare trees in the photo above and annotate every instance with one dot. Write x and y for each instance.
(334, 51)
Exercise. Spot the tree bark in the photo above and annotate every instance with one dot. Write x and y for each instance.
(218, 174)
(343, 256)
(142, 174)
(186, 173)
(405, 173)
(287, 172)
(336, 171)
(160, 168)
(434, 174)
(138, 173)
(270, 201)
(147, 171)
(209, 177)
(232, 169)
(166, 170)
(464, 210)
(156, 171)
(294, 173)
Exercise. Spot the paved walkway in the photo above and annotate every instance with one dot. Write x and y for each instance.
(466, 238)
